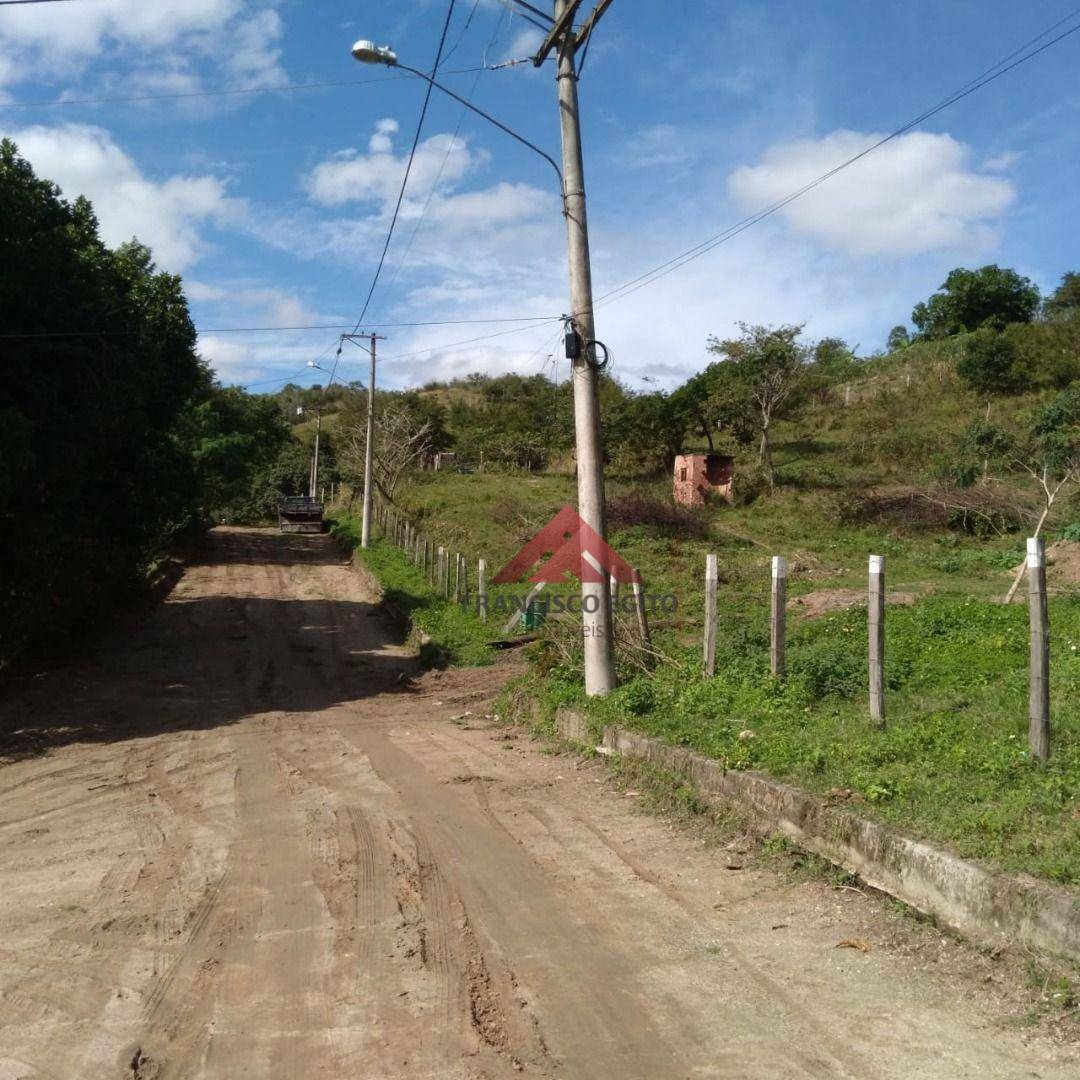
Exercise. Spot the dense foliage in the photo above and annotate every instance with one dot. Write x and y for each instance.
(114, 437)
(990, 296)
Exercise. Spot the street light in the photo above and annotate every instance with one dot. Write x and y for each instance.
(367, 52)
(597, 623)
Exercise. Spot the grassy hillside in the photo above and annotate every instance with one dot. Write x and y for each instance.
(952, 763)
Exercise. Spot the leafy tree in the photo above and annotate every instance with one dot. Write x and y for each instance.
(714, 402)
(972, 299)
(834, 359)
(989, 364)
(97, 374)
(768, 367)
(898, 339)
(1064, 301)
(641, 433)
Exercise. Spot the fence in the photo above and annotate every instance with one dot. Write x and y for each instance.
(1038, 617)
(448, 574)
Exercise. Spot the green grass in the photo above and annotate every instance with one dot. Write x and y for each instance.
(952, 763)
(455, 634)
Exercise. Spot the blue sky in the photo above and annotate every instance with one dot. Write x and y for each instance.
(274, 206)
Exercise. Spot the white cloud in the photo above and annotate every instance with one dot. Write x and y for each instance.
(239, 37)
(917, 193)
(524, 43)
(232, 361)
(375, 176)
(1003, 162)
(659, 145)
(168, 215)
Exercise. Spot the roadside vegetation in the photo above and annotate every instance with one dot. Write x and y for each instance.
(942, 452)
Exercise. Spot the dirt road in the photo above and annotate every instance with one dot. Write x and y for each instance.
(247, 838)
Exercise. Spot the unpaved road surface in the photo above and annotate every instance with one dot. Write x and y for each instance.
(248, 838)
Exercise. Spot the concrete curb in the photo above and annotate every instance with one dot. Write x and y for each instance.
(989, 908)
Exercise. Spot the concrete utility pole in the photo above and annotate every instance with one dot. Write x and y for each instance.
(369, 450)
(369, 440)
(595, 597)
(315, 458)
(561, 36)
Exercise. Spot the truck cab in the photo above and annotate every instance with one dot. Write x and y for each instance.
(300, 514)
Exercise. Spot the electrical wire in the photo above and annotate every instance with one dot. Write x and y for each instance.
(992, 73)
(280, 89)
(464, 30)
(9, 3)
(408, 169)
(450, 147)
(184, 94)
(528, 18)
(534, 319)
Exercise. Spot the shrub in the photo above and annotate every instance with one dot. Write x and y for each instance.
(668, 519)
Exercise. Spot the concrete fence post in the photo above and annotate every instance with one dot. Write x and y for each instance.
(481, 589)
(443, 573)
(778, 623)
(709, 642)
(876, 630)
(1039, 668)
(638, 588)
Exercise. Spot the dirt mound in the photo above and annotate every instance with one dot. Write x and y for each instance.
(823, 601)
(1062, 563)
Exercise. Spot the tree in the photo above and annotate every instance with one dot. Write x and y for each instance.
(641, 433)
(99, 366)
(713, 402)
(1064, 301)
(972, 299)
(834, 359)
(1050, 455)
(898, 339)
(401, 441)
(768, 367)
(989, 364)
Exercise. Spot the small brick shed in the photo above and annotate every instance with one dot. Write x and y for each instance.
(696, 475)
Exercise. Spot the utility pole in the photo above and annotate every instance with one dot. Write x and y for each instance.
(595, 598)
(369, 440)
(369, 450)
(315, 458)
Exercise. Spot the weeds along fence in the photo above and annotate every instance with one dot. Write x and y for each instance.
(463, 578)
(1038, 619)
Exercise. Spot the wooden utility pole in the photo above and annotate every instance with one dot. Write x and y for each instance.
(712, 575)
(1039, 669)
(876, 628)
(778, 650)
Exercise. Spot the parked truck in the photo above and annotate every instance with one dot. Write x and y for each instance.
(300, 514)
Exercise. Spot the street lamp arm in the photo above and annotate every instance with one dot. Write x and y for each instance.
(480, 112)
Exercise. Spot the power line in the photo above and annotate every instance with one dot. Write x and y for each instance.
(534, 319)
(282, 88)
(180, 95)
(408, 169)
(8, 3)
(469, 341)
(992, 73)
(453, 141)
